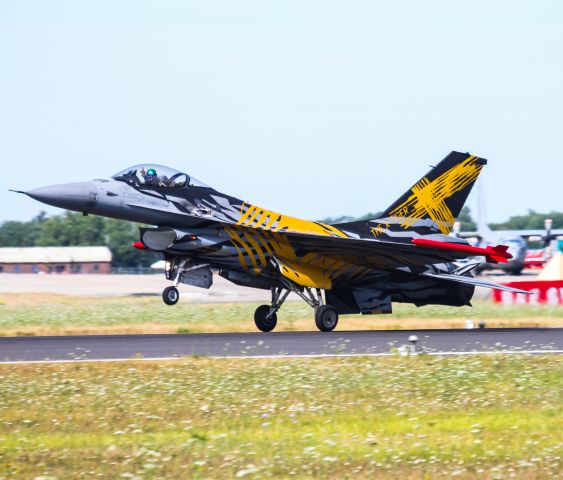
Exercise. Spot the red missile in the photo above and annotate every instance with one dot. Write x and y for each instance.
(494, 254)
(139, 245)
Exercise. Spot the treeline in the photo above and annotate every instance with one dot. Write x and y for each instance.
(74, 229)
(532, 221)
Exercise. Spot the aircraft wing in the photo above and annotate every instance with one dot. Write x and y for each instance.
(472, 281)
(364, 252)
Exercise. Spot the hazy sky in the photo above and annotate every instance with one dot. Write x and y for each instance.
(312, 108)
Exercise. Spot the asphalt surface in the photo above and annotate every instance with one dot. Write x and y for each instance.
(114, 347)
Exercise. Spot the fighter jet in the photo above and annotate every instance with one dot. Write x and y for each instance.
(406, 255)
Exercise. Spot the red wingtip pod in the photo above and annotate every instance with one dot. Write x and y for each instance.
(139, 245)
(496, 254)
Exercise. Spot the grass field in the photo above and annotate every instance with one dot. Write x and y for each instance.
(411, 418)
(48, 314)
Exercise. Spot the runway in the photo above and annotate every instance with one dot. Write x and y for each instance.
(282, 344)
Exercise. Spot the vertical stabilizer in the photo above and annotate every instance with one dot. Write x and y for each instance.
(432, 204)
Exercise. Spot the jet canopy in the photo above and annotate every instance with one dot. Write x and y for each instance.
(156, 176)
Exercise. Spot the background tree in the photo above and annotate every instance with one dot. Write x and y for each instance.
(118, 237)
(532, 221)
(21, 234)
(466, 220)
(74, 229)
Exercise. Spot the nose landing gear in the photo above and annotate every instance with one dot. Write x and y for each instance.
(170, 295)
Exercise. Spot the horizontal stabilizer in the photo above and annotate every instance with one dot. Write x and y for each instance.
(473, 281)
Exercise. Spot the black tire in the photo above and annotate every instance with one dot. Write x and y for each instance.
(326, 318)
(170, 295)
(264, 322)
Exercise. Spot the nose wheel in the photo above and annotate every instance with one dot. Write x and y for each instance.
(170, 295)
(265, 319)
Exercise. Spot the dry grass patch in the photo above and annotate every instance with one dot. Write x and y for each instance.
(50, 314)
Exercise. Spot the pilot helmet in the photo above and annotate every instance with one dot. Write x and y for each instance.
(151, 172)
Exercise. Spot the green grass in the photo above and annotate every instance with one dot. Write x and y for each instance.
(414, 417)
(59, 314)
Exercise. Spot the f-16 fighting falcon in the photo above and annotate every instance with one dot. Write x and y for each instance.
(405, 255)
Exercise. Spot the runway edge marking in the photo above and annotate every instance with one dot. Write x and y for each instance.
(305, 355)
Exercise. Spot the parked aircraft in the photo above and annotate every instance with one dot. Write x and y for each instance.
(362, 267)
(514, 239)
(517, 247)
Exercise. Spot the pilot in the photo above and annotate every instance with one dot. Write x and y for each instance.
(151, 178)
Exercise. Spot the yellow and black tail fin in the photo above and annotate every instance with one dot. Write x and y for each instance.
(433, 203)
(439, 195)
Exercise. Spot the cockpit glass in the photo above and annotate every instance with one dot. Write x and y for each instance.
(151, 175)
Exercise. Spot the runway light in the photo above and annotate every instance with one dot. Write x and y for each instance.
(469, 324)
(413, 339)
(482, 324)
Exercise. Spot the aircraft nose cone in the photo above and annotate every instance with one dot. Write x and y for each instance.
(71, 196)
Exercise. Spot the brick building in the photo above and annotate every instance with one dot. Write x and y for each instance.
(55, 260)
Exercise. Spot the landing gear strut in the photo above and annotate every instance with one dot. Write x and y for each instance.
(265, 316)
(176, 269)
(171, 295)
(326, 316)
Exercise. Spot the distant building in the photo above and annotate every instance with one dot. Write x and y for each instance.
(55, 260)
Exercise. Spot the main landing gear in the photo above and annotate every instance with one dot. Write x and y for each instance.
(265, 316)
(326, 316)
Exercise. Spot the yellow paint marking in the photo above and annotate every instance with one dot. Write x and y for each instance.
(286, 223)
(333, 230)
(429, 197)
(305, 275)
(271, 221)
(241, 259)
(264, 243)
(246, 214)
(234, 236)
(257, 248)
(256, 212)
